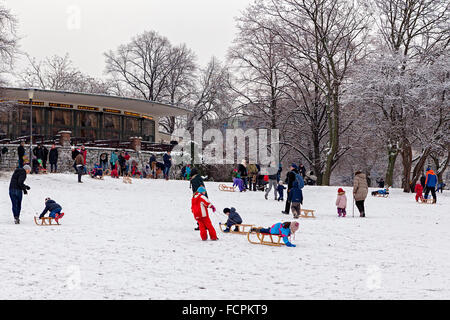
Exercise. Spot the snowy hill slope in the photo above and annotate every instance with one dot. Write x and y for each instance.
(137, 241)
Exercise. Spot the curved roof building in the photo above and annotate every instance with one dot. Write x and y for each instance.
(87, 116)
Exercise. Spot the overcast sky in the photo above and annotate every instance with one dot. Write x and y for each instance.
(87, 28)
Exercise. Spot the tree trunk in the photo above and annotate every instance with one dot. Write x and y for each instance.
(418, 168)
(392, 157)
(406, 153)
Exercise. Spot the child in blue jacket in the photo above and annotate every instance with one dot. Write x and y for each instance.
(285, 230)
(280, 189)
(233, 218)
(54, 209)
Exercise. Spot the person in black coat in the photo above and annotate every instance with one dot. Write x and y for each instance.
(21, 153)
(302, 170)
(290, 178)
(17, 188)
(167, 159)
(195, 183)
(44, 157)
(422, 181)
(53, 158)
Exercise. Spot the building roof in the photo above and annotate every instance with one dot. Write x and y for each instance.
(140, 106)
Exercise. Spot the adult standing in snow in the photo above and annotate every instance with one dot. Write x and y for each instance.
(79, 164)
(167, 159)
(252, 176)
(430, 184)
(273, 177)
(104, 161)
(75, 153)
(290, 178)
(152, 163)
(360, 191)
(53, 158)
(21, 153)
(242, 169)
(45, 156)
(17, 188)
(196, 181)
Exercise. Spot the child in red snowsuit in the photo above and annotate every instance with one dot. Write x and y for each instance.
(200, 205)
(418, 189)
(115, 172)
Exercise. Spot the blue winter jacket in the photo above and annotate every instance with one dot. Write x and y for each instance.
(233, 217)
(296, 194)
(50, 205)
(114, 158)
(431, 179)
(279, 230)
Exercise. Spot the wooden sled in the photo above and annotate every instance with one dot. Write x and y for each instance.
(307, 213)
(241, 227)
(127, 180)
(380, 195)
(265, 239)
(46, 221)
(223, 187)
(427, 201)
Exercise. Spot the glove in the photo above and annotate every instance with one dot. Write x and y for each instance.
(290, 245)
(27, 187)
(213, 208)
(25, 191)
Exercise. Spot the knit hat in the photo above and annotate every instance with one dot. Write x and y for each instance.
(294, 226)
(201, 190)
(226, 210)
(27, 167)
(294, 166)
(341, 191)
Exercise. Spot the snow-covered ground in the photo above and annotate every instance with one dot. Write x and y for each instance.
(120, 241)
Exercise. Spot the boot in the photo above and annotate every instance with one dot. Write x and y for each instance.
(16, 220)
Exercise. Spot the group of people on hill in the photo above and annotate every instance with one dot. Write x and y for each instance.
(40, 156)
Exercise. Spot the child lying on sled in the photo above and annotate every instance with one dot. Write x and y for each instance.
(54, 209)
(383, 192)
(284, 230)
(233, 218)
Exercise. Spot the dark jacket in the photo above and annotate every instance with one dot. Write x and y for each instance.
(167, 158)
(53, 156)
(296, 194)
(422, 181)
(242, 171)
(104, 158)
(290, 178)
(302, 171)
(20, 152)
(44, 153)
(38, 152)
(75, 152)
(234, 217)
(197, 182)
(50, 205)
(152, 159)
(17, 180)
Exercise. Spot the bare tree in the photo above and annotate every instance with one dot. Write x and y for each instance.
(8, 40)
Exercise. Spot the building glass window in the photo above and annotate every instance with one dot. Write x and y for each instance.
(61, 120)
(111, 125)
(148, 130)
(132, 127)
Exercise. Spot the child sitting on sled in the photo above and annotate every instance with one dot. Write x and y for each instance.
(233, 218)
(341, 203)
(97, 171)
(419, 191)
(54, 209)
(280, 189)
(200, 205)
(285, 230)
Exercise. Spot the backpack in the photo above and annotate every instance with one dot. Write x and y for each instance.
(299, 180)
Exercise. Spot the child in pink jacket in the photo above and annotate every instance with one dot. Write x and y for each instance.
(341, 202)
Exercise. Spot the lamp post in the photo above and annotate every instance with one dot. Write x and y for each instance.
(30, 96)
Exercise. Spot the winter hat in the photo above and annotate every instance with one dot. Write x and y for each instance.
(46, 199)
(294, 166)
(201, 190)
(341, 191)
(27, 167)
(294, 226)
(226, 210)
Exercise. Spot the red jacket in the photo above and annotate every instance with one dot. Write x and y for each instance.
(200, 205)
(418, 189)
